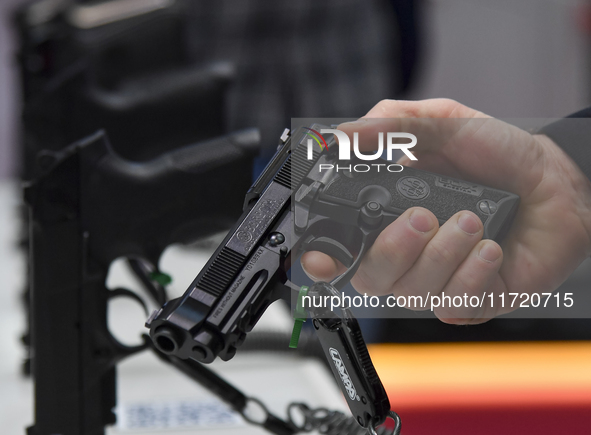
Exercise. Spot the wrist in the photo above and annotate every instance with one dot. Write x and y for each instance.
(575, 186)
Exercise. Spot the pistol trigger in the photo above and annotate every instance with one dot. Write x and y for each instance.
(333, 248)
(123, 292)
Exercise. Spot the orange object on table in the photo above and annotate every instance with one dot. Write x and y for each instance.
(488, 388)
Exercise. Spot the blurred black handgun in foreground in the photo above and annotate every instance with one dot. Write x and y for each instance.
(118, 65)
(123, 66)
(309, 200)
(88, 208)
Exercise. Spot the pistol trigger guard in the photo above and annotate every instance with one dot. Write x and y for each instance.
(340, 281)
(125, 293)
(122, 351)
(333, 248)
(119, 350)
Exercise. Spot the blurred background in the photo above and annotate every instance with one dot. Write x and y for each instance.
(161, 75)
(526, 58)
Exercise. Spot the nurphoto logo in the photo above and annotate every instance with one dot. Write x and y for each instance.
(344, 145)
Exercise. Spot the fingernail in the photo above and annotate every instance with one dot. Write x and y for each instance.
(468, 224)
(312, 277)
(421, 221)
(489, 252)
(357, 122)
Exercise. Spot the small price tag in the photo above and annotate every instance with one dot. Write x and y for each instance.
(136, 416)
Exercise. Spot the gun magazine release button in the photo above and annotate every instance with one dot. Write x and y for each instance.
(371, 213)
(373, 206)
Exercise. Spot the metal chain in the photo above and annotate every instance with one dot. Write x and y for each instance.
(329, 422)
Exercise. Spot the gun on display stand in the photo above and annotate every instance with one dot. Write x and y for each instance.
(121, 66)
(88, 208)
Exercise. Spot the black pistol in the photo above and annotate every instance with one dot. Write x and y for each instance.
(88, 208)
(305, 200)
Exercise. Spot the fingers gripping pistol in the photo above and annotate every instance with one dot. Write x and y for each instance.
(303, 201)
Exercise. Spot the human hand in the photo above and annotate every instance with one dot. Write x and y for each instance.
(549, 238)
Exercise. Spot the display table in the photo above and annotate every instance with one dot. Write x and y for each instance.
(153, 397)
